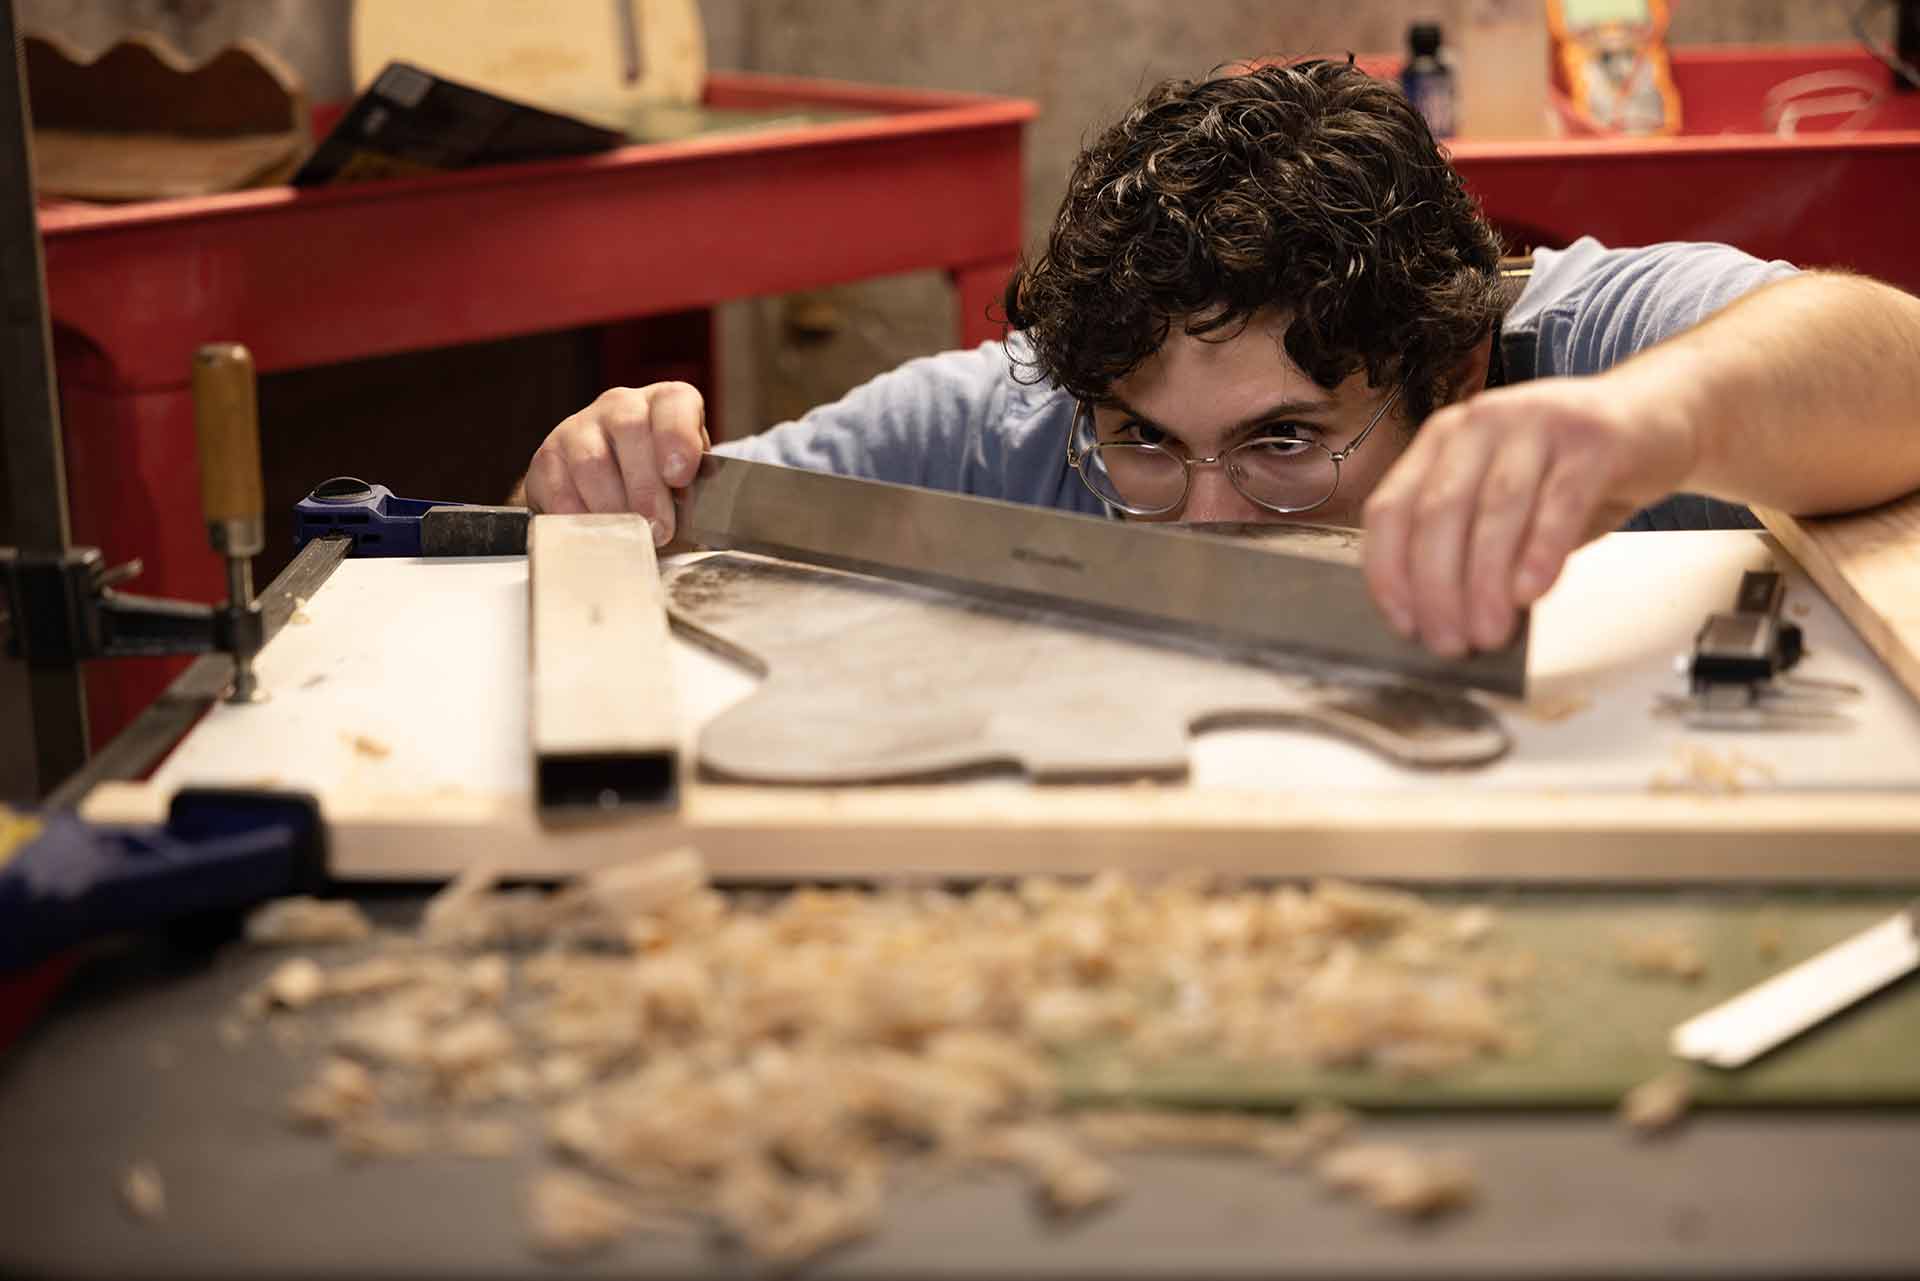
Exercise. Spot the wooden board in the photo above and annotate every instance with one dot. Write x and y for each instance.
(1868, 564)
(870, 681)
(770, 834)
(597, 59)
(140, 121)
(602, 717)
(399, 700)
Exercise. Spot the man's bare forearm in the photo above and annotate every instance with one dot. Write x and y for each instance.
(1804, 396)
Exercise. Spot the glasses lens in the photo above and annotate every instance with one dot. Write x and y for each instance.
(1145, 478)
(1284, 473)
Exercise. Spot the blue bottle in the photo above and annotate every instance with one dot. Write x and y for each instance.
(1427, 80)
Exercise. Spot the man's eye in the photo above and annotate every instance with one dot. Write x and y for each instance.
(1279, 445)
(1135, 432)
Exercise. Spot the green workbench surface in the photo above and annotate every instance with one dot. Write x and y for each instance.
(1596, 1029)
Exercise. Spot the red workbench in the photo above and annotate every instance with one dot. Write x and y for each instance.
(927, 180)
(1840, 191)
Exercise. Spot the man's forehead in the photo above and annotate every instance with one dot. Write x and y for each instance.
(1227, 373)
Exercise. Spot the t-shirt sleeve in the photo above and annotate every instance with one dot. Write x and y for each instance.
(1599, 306)
(923, 423)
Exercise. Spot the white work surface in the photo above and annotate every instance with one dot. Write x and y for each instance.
(410, 677)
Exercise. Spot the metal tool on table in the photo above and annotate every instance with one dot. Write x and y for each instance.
(1217, 594)
(1737, 675)
(1736, 1032)
(65, 608)
(380, 523)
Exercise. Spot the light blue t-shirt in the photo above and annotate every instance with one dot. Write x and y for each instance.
(965, 421)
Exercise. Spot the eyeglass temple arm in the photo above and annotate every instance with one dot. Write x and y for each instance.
(1354, 444)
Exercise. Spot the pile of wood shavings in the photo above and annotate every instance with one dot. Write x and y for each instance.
(775, 1064)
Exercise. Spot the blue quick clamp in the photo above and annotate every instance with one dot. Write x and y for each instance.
(70, 880)
(380, 523)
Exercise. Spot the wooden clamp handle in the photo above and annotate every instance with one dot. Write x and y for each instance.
(227, 421)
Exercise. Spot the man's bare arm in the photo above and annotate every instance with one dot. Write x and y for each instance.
(1804, 395)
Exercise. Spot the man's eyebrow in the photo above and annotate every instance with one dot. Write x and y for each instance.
(1279, 409)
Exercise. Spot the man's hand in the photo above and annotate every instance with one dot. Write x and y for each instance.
(1475, 520)
(626, 452)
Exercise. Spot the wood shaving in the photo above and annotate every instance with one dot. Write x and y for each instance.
(773, 1065)
(1657, 1105)
(1400, 1180)
(1068, 1178)
(571, 1217)
(307, 922)
(787, 1220)
(341, 1091)
(142, 1192)
(295, 984)
(1667, 955)
(369, 746)
(1290, 1142)
(1699, 768)
(1471, 925)
(1550, 708)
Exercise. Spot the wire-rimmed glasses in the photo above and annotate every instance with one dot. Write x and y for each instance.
(1283, 474)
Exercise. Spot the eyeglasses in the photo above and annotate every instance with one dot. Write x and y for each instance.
(1283, 474)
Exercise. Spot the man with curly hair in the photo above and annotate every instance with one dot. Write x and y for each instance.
(1267, 296)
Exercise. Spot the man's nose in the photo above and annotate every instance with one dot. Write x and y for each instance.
(1212, 497)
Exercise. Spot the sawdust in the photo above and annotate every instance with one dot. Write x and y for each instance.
(1655, 1106)
(142, 1192)
(1551, 708)
(1290, 1142)
(305, 922)
(571, 1217)
(1667, 954)
(1699, 768)
(368, 746)
(774, 1066)
(1401, 1180)
(295, 985)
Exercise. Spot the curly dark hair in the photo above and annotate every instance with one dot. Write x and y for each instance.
(1313, 187)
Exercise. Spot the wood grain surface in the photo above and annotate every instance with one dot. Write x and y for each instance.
(603, 720)
(1868, 564)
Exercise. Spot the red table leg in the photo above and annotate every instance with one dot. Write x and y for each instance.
(977, 288)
